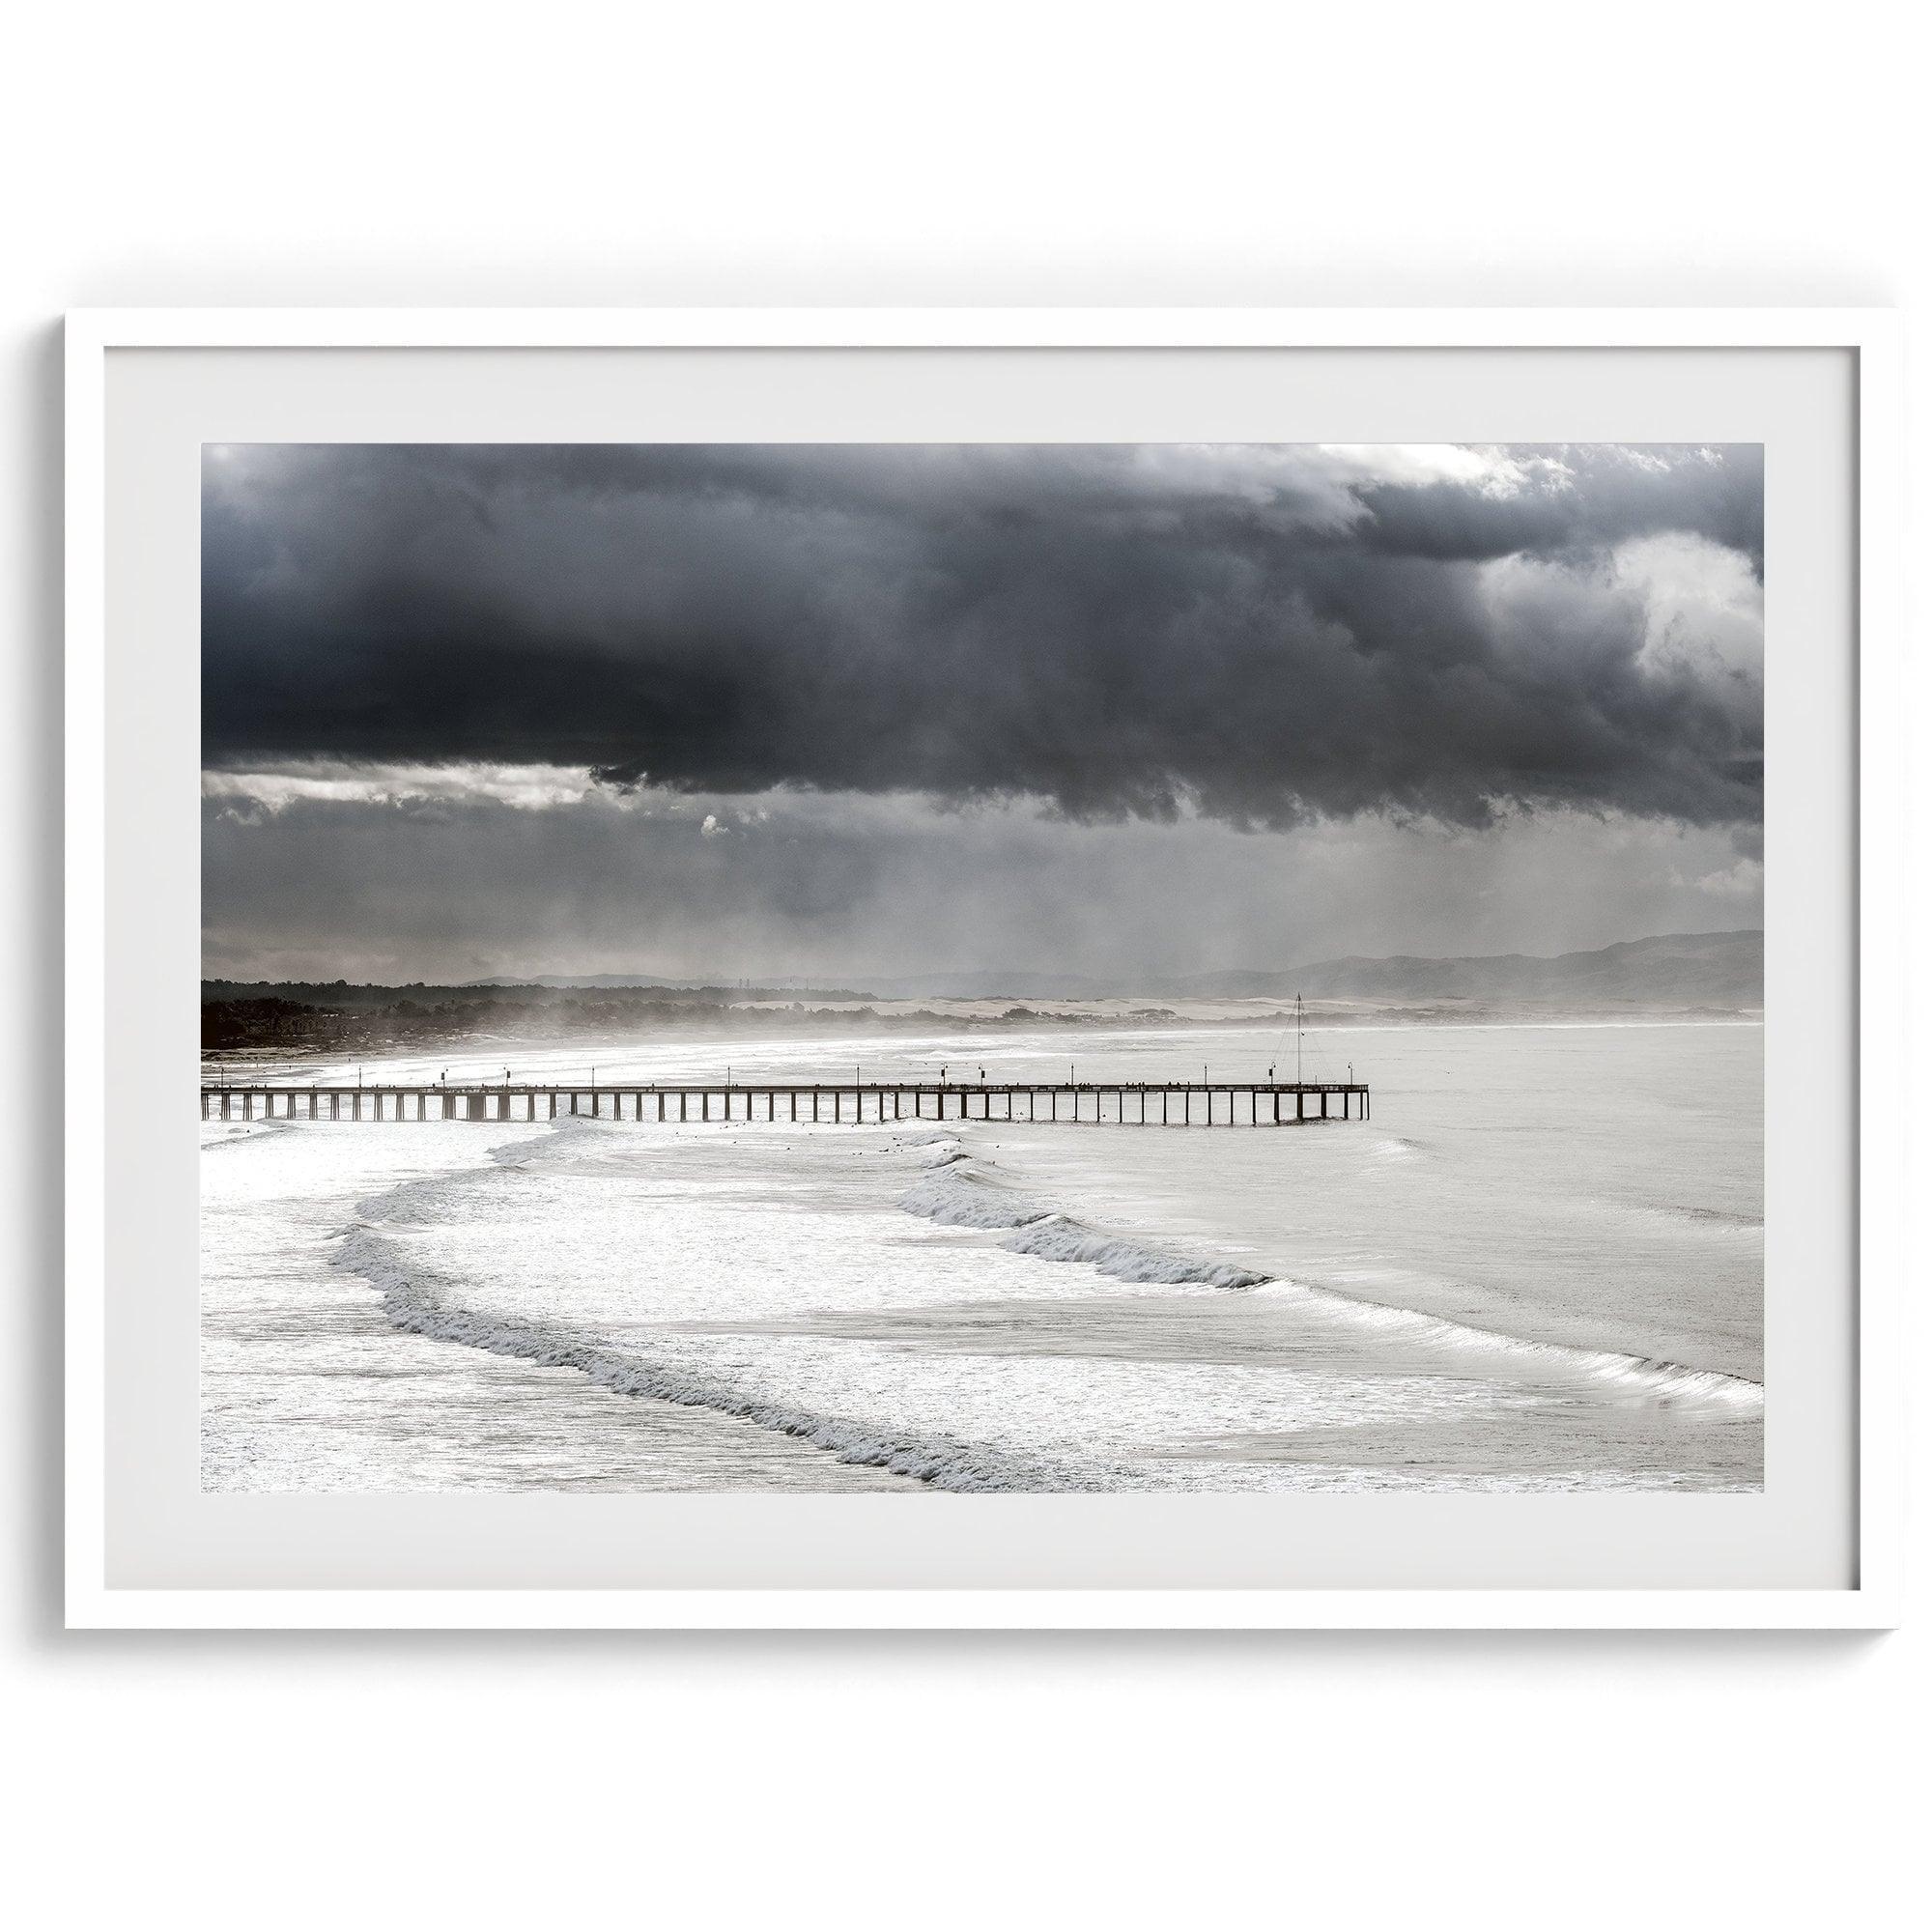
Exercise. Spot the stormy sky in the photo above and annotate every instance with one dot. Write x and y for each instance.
(832, 711)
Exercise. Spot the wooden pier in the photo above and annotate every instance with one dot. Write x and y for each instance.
(1221, 1103)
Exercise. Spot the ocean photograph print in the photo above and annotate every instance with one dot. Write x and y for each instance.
(1009, 967)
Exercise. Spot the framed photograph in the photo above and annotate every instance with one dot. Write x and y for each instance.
(983, 968)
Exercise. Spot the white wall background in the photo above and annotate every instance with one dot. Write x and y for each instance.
(1206, 153)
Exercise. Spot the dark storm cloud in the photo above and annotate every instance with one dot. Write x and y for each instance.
(1267, 635)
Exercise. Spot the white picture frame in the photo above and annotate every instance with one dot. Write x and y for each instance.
(1869, 1600)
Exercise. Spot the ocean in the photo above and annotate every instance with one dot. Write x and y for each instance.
(1539, 1267)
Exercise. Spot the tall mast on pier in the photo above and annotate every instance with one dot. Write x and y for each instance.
(1297, 1042)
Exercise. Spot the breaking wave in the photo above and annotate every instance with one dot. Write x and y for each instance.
(956, 1195)
(960, 1193)
(415, 1303)
(1396, 1147)
(1057, 1239)
(1638, 1377)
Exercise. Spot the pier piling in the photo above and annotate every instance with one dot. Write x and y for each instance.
(289, 1100)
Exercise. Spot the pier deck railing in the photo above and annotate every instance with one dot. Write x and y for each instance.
(1112, 1102)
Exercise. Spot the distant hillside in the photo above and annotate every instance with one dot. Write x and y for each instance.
(1008, 983)
(1675, 969)
(562, 980)
(1678, 968)
(744, 989)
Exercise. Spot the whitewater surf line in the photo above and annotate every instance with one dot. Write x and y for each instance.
(961, 1191)
(957, 1189)
(416, 1301)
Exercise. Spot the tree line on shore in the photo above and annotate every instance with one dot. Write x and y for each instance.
(348, 1020)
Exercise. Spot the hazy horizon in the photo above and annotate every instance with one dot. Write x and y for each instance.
(1019, 975)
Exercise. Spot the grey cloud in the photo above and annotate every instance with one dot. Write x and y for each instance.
(1263, 637)
(1610, 492)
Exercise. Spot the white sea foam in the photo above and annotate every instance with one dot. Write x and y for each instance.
(415, 1305)
(1055, 1238)
(957, 1196)
(1637, 1376)
(966, 1194)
